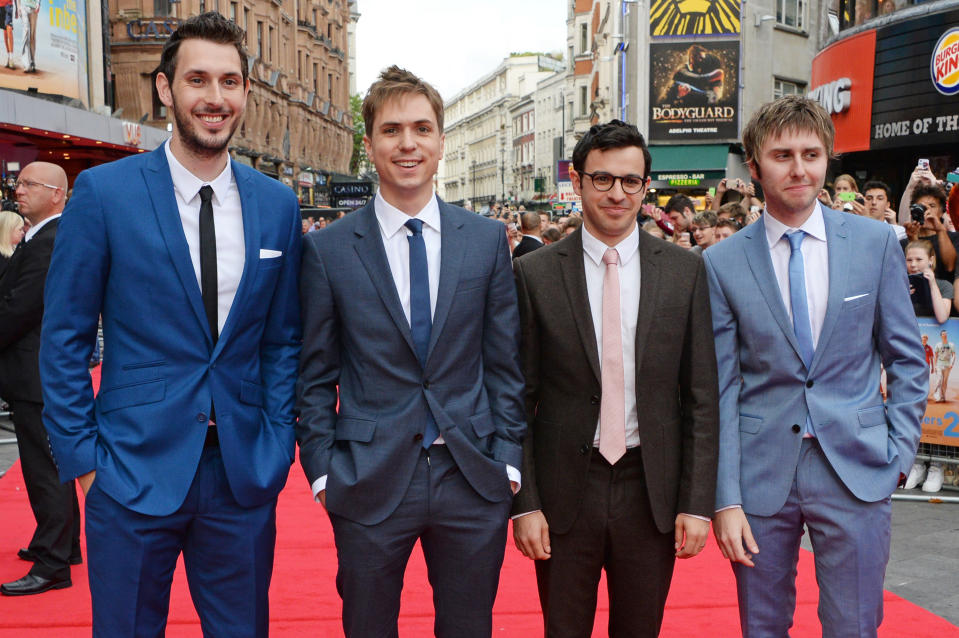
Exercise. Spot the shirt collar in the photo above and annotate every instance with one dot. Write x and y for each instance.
(596, 249)
(36, 229)
(187, 185)
(392, 219)
(814, 226)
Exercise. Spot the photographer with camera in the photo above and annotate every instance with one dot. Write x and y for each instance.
(927, 211)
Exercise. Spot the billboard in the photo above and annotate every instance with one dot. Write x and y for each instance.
(940, 424)
(842, 78)
(669, 18)
(46, 48)
(693, 92)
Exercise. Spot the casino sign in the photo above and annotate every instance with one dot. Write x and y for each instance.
(944, 63)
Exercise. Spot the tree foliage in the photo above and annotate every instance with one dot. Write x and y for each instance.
(358, 161)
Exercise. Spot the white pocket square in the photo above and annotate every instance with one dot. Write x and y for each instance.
(865, 294)
(266, 253)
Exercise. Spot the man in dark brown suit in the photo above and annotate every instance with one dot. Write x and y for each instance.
(619, 467)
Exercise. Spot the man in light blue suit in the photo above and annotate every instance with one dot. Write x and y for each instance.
(192, 260)
(410, 391)
(807, 304)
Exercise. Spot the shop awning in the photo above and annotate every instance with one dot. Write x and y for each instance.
(688, 165)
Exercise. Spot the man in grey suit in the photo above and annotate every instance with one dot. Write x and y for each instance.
(619, 464)
(411, 326)
(807, 303)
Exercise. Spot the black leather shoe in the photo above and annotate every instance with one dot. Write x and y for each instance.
(31, 584)
(27, 555)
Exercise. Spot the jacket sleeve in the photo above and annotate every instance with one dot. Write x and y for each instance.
(73, 298)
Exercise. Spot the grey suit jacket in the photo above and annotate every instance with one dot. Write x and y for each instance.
(676, 390)
(363, 394)
(767, 391)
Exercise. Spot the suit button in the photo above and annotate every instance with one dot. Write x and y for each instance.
(594, 400)
(426, 385)
(202, 418)
(584, 449)
(809, 383)
(417, 437)
(796, 428)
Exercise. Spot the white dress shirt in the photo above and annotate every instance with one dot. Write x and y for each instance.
(394, 234)
(815, 261)
(227, 220)
(629, 278)
(36, 229)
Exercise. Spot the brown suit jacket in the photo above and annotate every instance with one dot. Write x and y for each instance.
(676, 388)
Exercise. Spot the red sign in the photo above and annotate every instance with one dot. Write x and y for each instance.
(842, 82)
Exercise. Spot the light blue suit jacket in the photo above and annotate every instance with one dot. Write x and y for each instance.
(363, 394)
(121, 252)
(765, 389)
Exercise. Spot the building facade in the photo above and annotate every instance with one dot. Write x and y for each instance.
(481, 140)
(297, 126)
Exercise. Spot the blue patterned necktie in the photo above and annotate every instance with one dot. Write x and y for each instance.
(421, 321)
(800, 305)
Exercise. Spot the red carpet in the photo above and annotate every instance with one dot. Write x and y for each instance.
(304, 600)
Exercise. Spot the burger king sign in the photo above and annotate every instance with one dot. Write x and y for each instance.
(944, 65)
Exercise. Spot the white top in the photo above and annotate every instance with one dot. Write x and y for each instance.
(629, 277)
(815, 261)
(227, 220)
(394, 233)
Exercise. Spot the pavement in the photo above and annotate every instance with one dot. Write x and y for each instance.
(923, 563)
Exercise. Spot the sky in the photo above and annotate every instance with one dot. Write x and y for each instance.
(452, 43)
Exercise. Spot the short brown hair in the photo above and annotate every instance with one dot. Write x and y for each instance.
(788, 113)
(394, 82)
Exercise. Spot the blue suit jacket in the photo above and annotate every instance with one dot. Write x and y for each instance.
(765, 388)
(121, 252)
(356, 336)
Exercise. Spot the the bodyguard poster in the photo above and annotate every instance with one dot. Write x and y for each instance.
(694, 91)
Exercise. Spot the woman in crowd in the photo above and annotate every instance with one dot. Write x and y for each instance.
(11, 232)
(921, 260)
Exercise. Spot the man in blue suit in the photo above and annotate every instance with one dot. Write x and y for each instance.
(807, 303)
(192, 260)
(410, 322)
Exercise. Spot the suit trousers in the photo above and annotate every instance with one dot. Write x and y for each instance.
(463, 537)
(614, 531)
(54, 504)
(850, 540)
(227, 552)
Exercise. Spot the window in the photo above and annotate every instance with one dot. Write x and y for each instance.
(584, 37)
(329, 87)
(233, 11)
(259, 40)
(785, 87)
(269, 46)
(316, 79)
(582, 101)
(791, 13)
(202, 7)
(246, 25)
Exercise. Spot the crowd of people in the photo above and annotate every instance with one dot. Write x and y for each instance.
(437, 388)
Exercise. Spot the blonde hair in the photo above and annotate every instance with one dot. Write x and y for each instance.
(925, 246)
(847, 178)
(9, 222)
(788, 113)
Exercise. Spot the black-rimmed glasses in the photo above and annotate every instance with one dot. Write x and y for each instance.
(602, 182)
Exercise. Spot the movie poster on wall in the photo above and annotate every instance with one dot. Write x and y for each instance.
(668, 18)
(48, 47)
(940, 424)
(693, 92)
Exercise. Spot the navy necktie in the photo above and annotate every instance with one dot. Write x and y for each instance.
(800, 305)
(421, 318)
(208, 280)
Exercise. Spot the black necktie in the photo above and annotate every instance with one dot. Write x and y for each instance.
(208, 285)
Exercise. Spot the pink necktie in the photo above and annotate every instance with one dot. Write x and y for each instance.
(612, 409)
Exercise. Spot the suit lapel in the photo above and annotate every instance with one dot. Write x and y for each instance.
(249, 204)
(649, 273)
(452, 251)
(837, 248)
(159, 188)
(574, 279)
(369, 249)
(761, 264)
